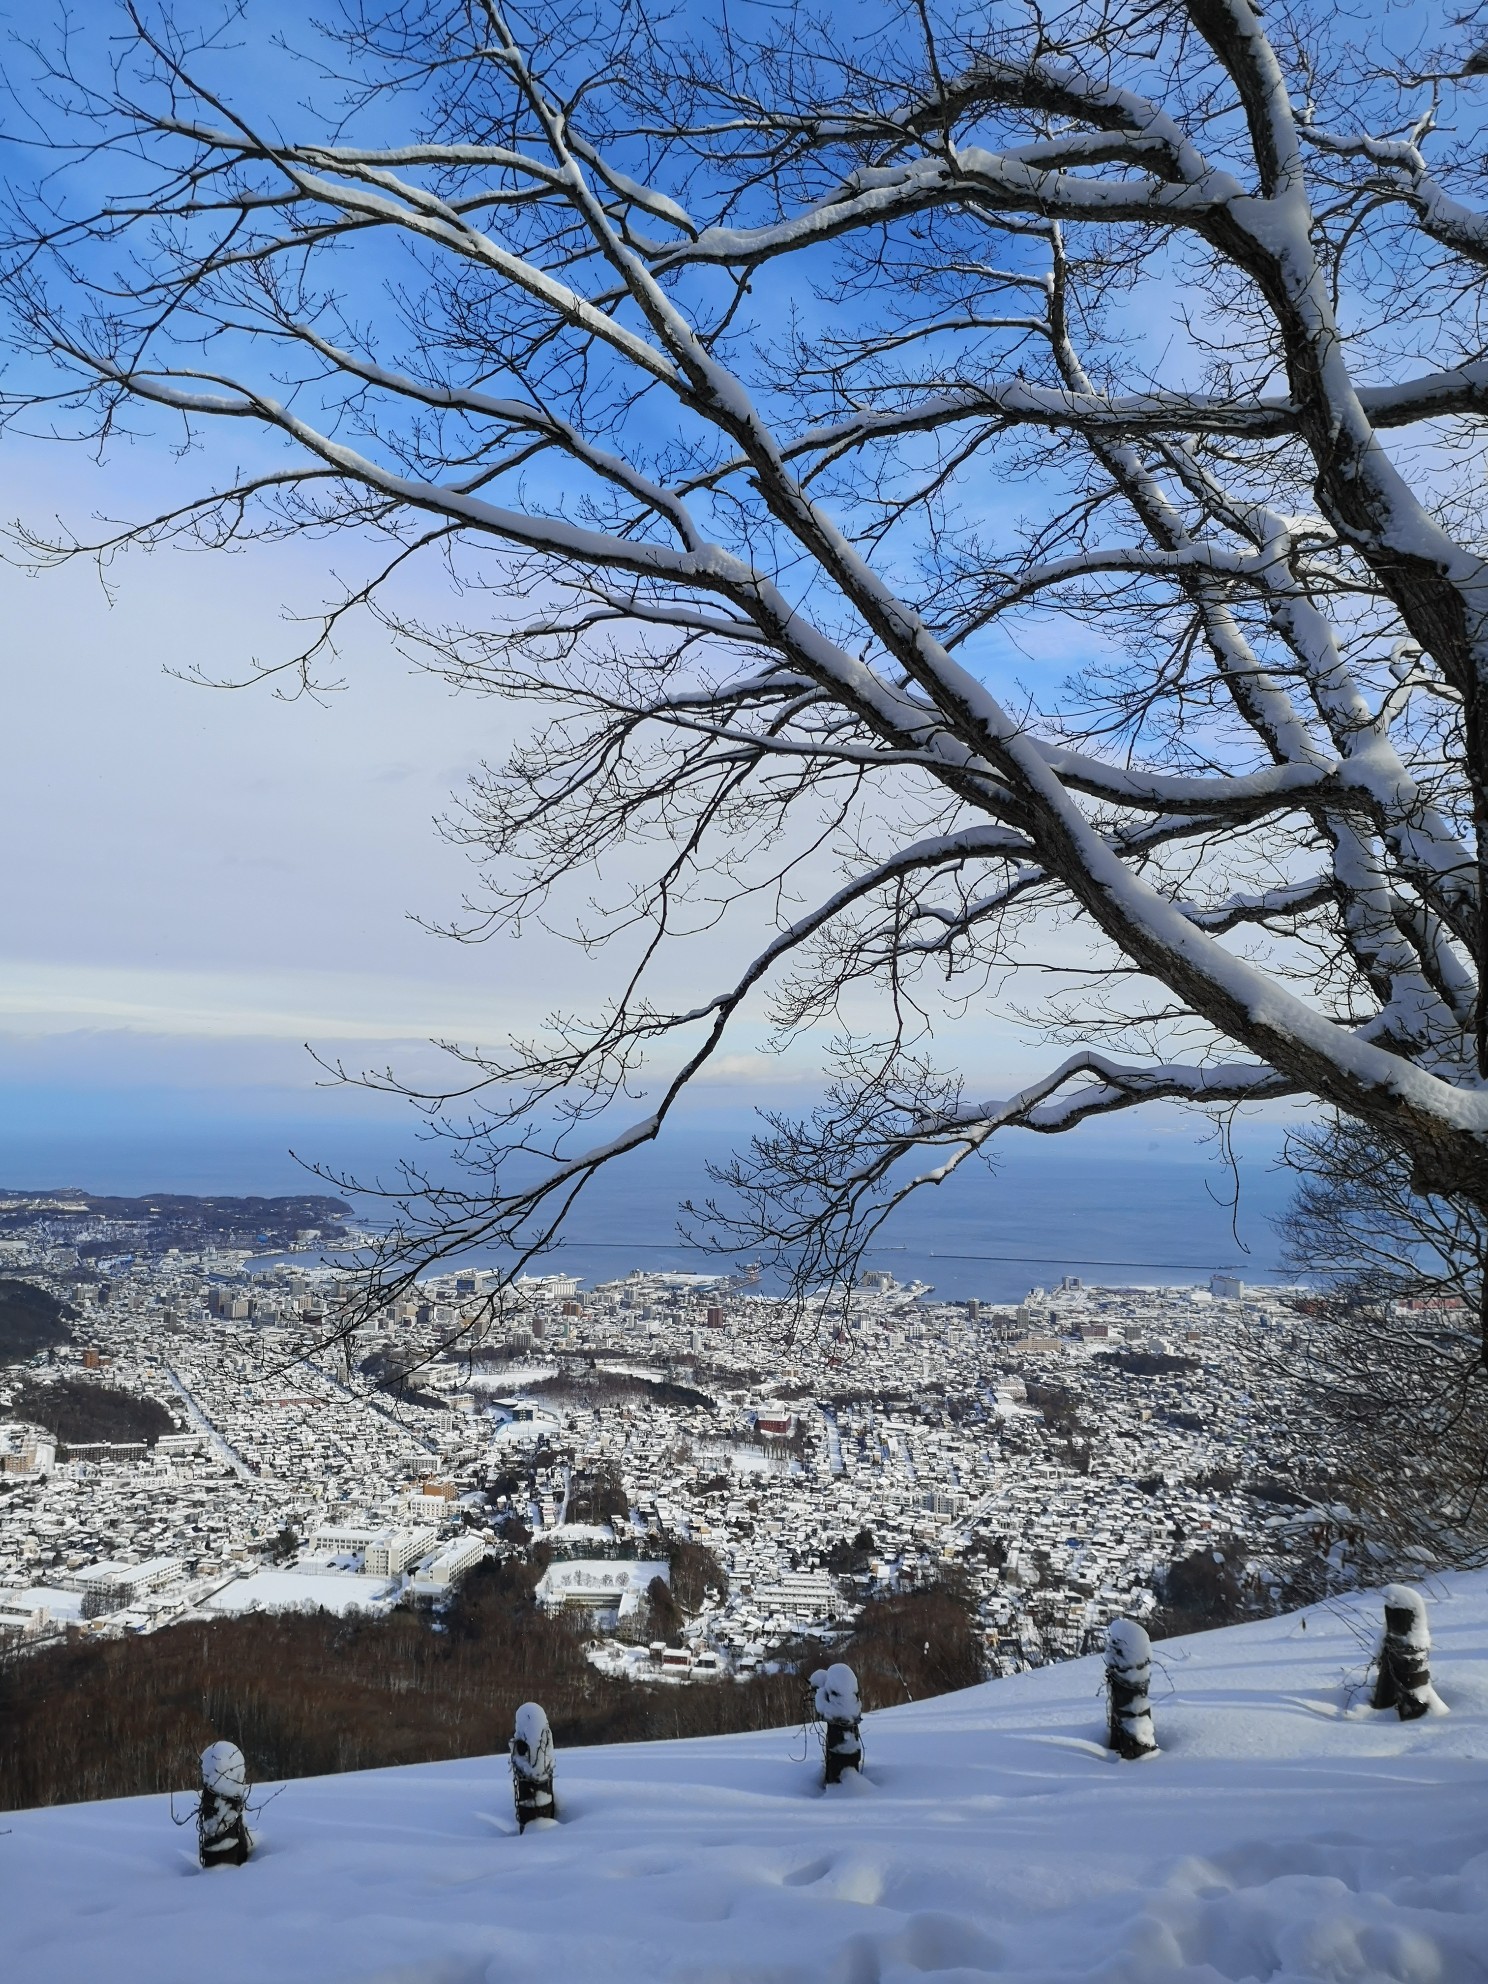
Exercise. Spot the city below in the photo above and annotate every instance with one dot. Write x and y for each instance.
(702, 1473)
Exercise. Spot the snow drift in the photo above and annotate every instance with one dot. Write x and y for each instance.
(1287, 1831)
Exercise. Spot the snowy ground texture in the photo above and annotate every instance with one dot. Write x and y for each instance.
(1285, 1832)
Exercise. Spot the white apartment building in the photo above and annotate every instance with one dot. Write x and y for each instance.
(396, 1549)
(26, 1450)
(116, 1585)
(455, 1559)
(343, 1539)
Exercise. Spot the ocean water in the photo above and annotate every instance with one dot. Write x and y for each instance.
(1114, 1208)
(1115, 1216)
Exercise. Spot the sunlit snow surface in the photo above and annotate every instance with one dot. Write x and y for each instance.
(1285, 1832)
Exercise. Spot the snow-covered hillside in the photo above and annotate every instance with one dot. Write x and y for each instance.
(1285, 1832)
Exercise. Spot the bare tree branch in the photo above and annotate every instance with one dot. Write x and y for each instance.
(709, 363)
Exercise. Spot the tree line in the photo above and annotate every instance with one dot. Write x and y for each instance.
(304, 1694)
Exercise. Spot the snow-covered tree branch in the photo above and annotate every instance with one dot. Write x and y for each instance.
(708, 359)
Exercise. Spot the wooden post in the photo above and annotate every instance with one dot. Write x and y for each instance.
(1404, 1678)
(1128, 1678)
(222, 1835)
(837, 1703)
(532, 1766)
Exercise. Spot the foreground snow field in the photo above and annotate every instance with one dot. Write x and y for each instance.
(1285, 1832)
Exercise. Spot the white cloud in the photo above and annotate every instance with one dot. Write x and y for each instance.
(52, 998)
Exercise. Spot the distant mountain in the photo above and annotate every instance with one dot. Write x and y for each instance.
(160, 1220)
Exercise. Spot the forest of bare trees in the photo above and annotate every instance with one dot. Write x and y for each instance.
(307, 1693)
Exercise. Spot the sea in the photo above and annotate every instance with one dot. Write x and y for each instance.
(1114, 1205)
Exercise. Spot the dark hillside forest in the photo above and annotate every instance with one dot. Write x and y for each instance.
(306, 1694)
(80, 1411)
(30, 1320)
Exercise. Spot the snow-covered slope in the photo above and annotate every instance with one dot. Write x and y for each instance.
(1285, 1832)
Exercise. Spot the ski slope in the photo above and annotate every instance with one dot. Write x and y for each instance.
(1285, 1832)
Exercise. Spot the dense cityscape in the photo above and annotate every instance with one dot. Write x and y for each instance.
(1055, 1458)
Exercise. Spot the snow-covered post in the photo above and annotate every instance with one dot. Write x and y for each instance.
(532, 1766)
(1404, 1681)
(837, 1703)
(222, 1835)
(1128, 1678)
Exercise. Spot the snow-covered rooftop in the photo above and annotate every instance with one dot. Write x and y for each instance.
(298, 1590)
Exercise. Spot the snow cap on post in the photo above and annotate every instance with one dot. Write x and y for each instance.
(836, 1689)
(224, 1770)
(1410, 1622)
(1129, 1729)
(532, 1741)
